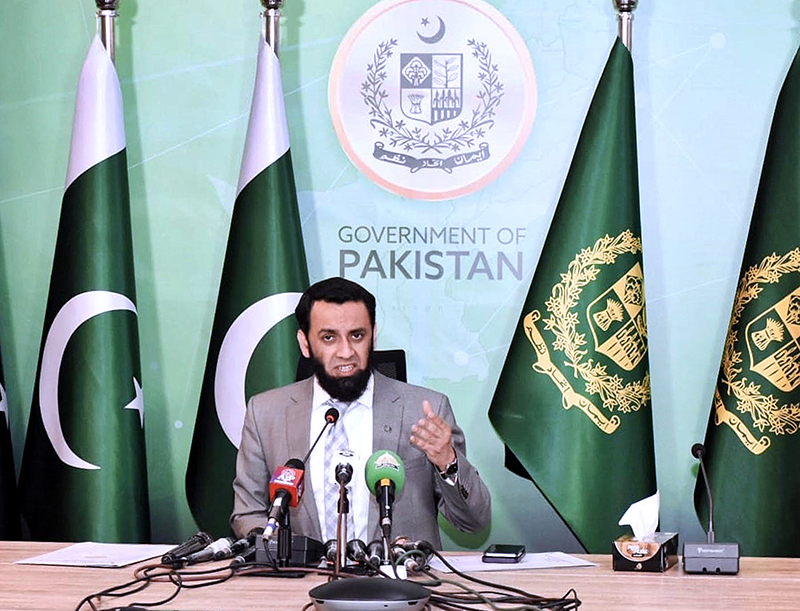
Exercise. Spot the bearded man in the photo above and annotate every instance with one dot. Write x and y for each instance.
(336, 319)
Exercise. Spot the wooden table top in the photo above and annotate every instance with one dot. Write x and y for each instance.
(762, 583)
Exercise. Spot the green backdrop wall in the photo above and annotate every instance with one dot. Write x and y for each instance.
(706, 82)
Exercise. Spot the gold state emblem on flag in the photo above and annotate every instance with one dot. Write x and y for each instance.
(618, 324)
(771, 339)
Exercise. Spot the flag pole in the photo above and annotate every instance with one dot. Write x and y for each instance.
(106, 13)
(272, 17)
(625, 10)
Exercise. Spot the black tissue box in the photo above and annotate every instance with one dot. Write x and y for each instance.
(655, 555)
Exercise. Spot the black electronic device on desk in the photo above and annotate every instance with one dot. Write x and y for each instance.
(500, 552)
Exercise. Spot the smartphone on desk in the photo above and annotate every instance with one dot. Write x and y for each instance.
(499, 552)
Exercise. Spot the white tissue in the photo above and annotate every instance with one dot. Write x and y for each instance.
(642, 517)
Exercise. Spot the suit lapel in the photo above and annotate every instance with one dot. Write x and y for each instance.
(388, 413)
(298, 434)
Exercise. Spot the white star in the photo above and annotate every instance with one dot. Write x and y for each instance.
(138, 402)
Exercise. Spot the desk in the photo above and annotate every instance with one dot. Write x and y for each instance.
(762, 583)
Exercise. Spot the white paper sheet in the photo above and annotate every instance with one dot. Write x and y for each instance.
(102, 555)
(541, 560)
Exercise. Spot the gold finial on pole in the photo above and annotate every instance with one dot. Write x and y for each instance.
(106, 13)
(272, 17)
(625, 10)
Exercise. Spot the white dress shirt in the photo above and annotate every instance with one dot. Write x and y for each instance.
(357, 422)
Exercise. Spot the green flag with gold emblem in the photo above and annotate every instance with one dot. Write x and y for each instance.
(752, 441)
(573, 399)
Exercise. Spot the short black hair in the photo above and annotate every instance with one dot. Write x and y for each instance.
(333, 290)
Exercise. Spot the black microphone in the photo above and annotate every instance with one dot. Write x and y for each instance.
(210, 552)
(344, 473)
(330, 551)
(375, 553)
(710, 557)
(244, 557)
(193, 544)
(331, 417)
(418, 559)
(698, 451)
(357, 551)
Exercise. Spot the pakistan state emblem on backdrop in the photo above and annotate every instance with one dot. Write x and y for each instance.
(432, 99)
(606, 387)
(752, 405)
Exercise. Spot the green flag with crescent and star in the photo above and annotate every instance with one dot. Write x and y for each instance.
(9, 504)
(84, 474)
(573, 399)
(752, 441)
(253, 343)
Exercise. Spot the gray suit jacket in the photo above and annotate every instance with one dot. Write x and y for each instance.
(276, 428)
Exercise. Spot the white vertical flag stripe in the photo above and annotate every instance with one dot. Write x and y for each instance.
(267, 118)
(98, 129)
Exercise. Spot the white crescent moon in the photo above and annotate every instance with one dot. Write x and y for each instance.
(432, 40)
(235, 353)
(72, 315)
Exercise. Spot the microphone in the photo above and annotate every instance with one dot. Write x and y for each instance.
(193, 544)
(418, 559)
(331, 417)
(385, 475)
(344, 466)
(330, 551)
(244, 556)
(698, 451)
(285, 490)
(357, 551)
(709, 557)
(286, 485)
(210, 552)
(375, 553)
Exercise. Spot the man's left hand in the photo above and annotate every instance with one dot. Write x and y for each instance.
(433, 436)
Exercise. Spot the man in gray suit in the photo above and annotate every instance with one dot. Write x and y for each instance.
(337, 326)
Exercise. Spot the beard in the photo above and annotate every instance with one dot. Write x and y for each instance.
(346, 389)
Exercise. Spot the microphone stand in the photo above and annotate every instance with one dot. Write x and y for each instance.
(284, 540)
(341, 529)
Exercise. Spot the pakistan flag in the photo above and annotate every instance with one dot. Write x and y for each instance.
(83, 475)
(573, 399)
(253, 343)
(752, 442)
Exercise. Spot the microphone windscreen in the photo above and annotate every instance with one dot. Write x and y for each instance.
(332, 415)
(385, 464)
(296, 463)
(698, 450)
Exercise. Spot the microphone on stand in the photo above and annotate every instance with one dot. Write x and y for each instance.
(385, 475)
(286, 484)
(285, 490)
(710, 557)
